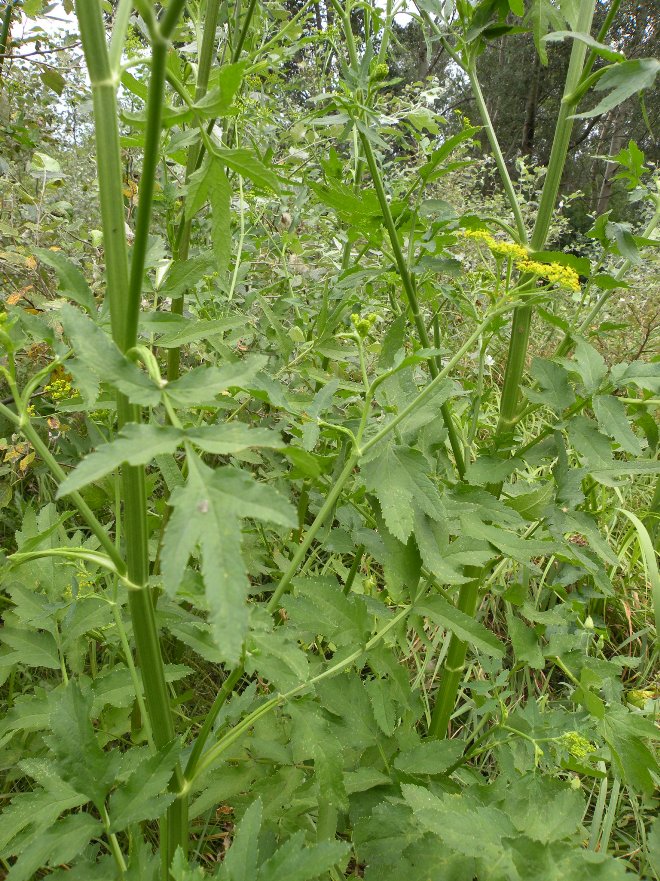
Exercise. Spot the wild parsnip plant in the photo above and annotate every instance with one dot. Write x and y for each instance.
(308, 589)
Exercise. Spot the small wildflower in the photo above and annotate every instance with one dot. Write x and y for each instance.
(555, 273)
(577, 745)
(380, 72)
(31, 411)
(363, 325)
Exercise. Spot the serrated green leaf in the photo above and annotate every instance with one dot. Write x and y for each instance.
(621, 81)
(464, 626)
(71, 279)
(318, 605)
(242, 858)
(232, 437)
(296, 861)
(135, 444)
(200, 386)
(207, 514)
(593, 446)
(144, 795)
(184, 275)
(430, 757)
(525, 643)
(219, 193)
(553, 388)
(37, 811)
(80, 759)
(312, 738)
(97, 353)
(222, 89)
(399, 477)
(246, 163)
(64, 841)
(613, 420)
(32, 648)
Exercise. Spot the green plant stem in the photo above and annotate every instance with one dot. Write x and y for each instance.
(210, 756)
(454, 665)
(124, 315)
(452, 673)
(182, 244)
(196, 151)
(519, 341)
(505, 177)
(411, 296)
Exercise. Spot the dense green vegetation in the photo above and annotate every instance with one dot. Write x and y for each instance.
(329, 480)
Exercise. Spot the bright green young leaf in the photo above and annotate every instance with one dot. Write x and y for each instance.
(463, 626)
(207, 515)
(222, 89)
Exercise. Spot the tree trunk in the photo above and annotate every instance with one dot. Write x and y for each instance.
(616, 143)
(531, 108)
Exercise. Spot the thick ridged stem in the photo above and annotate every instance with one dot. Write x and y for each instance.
(452, 676)
(124, 309)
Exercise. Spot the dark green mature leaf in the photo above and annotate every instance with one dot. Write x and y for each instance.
(30, 814)
(312, 738)
(464, 626)
(544, 809)
(232, 437)
(246, 163)
(71, 279)
(554, 390)
(297, 861)
(430, 757)
(473, 831)
(200, 386)
(219, 192)
(144, 795)
(207, 514)
(80, 759)
(319, 607)
(189, 330)
(613, 420)
(593, 446)
(525, 643)
(621, 81)
(184, 275)
(643, 374)
(30, 647)
(135, 444)
(63, 842)
(242, 859)
(399, 479)
(98, 354)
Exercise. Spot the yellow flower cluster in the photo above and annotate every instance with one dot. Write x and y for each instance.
(555, 273)
(577, 745)
(562, 276)
(59, 390)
